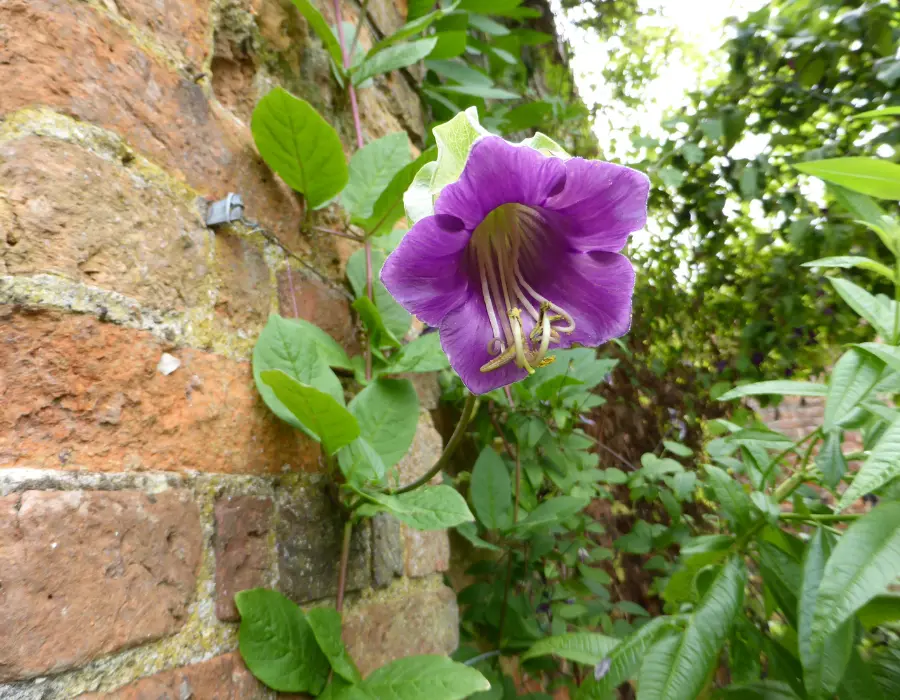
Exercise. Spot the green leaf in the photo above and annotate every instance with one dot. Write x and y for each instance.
(581, 647)
(552, 387)
(371, 317)
(426, 508)
(676, 448)
(418, 200)
(870, 176)
(823, 662)
(320, 27)
(299, 145)
(454, 141)
(387, 411)
(777, 387)
(830, 459)
(419, 678)
(487, 25)
(888, 354)
(389, 205)
(851, 380)
(490, 491)
(866, 305)
(470, 532)
(763, 690)
(278, 644)
(299, 349)
(880, 610)
(625, 659)
(395, 319)
(360, 463)
(552, 511)
(731, 496)
(459, 72)
(450, 44)
(487, 92)
(885, 112)
(372, 168)
(326, 626)
(881, 466)
(424, 354)
(328, 422)
(677, 668)
(392, 58)
(416, 25)
(864, 563)
(849, 261)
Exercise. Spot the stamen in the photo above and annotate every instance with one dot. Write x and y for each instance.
(489, 305)
(516, 322)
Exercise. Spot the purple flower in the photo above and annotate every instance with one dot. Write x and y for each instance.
(521, 258)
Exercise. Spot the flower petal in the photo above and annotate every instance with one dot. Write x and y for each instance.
(465, 334)
(595, 288)
(427, 272)
(497, 172)
(601, 204)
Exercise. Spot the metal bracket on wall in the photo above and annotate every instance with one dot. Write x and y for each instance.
(225, 211)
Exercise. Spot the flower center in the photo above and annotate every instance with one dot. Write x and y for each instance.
(497, 245)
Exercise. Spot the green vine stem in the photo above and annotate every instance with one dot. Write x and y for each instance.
(452, 444)
(345, 558)
(821, 517)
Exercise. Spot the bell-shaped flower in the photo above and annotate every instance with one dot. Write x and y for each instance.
(519, 258)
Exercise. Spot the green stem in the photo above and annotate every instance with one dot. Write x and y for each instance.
(452, 444)
(771, 465)
(359, 24)
(345, 559)
(896, 338)
(792, 483)
(821, 517)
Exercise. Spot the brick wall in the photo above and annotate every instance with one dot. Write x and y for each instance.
(135, 500)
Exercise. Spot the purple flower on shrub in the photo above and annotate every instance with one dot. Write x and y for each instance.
(521, 258)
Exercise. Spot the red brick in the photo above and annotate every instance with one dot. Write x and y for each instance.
(414, 622)
(426, 552)
(243, 554)
(69, 57)
(221, 678)
(76, 393)
(85, 573)
(179, 24)
(314, 301)
(75, 214)
(245, 291)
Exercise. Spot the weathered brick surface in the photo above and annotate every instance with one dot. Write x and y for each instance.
(244, 293)
(221, 678)
(76, 393)
(84, 573)
(424, 452)
(426, 552)
(309, 536)
(318, 303)
(75, 214)
(243, 550)
(414, 622)
(387, 549)
(179, 24)
(70, 57)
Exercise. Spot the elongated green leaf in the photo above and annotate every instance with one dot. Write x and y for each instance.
(459, 72)
(864, 562)
(871, 176)
(581, 647)
(777, 387)
(278, 644)
(865, 305)
(424, 354)
(393, 58)
(298, 349)
(552, 511)
(326, 626)
(824, 662)
(860, 681)
(395, 318)
(299, 145)
(677, 668)
(387, 412)
(830, 459)
(884, 112)
(426, 508)
(372, 168)
(490, 491)
(882, 465)
(889, 354)
(416, 25)
(326, 420)
(389, 205)
(625, 660)
(477, 90)
(470, 532)
(450, 44)
(848, 261)
(732, 497)
(360, 463)
(677, 448)
(851, 380)
(320, 27)
(419, 678)
(879, 610)
(763, 690)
